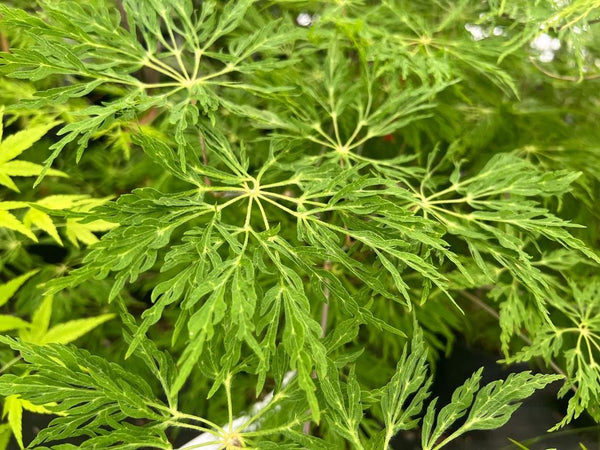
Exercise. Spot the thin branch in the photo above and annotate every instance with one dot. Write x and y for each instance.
(4, 45)
(124, 23)
(556, 76)
(204, 158)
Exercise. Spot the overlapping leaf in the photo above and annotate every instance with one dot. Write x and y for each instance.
(94, 393)
(100, 50)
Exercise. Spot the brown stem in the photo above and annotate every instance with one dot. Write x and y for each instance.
(149, 117)
(205, 162)
(4, 45)
(123, 14)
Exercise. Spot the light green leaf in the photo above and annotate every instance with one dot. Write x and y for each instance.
(43, 221)
(7, 220)
(62, 201)
(83, 232)
(79, 232)
(27, 169)
(8, 289)
(5, 180)
(67, 332)
(5, 434)
(11, 323)
(15, 144)
(7, 206)
(38, 409)
(39, 322)
(14, 410)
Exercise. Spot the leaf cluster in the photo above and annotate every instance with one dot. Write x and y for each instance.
(273, 207)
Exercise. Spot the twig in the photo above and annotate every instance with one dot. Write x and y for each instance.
(123, 14)
(562, 77)
(4, 45)
(204, 158)
(149, 117)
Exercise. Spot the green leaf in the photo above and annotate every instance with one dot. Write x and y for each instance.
(7, 220)
(43, 221)
(5, 435)
(575, 344)
(402, 398)
(14, 410)
(90, 394)
(199, 66)
(346, 409)
(12, 323)
(493, 406)
(8, 289)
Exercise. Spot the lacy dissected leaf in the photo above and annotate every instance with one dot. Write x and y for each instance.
(90, 393)
(293, 187)
(415, 41)
(499, 195)
(209, 257)
(345, 408)
(489, 407)
(343, 106)
(159, 362)
(497, 213)
(402, 398)
(576, 344)
(98, 48)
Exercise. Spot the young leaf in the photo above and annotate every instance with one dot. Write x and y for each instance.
(43, 221)
(63, 333)
(5, 435)
(7, 220)
(12, 323)
(12, 146)
(8, 289)
(67, 332)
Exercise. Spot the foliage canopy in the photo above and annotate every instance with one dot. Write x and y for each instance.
(299, 200)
